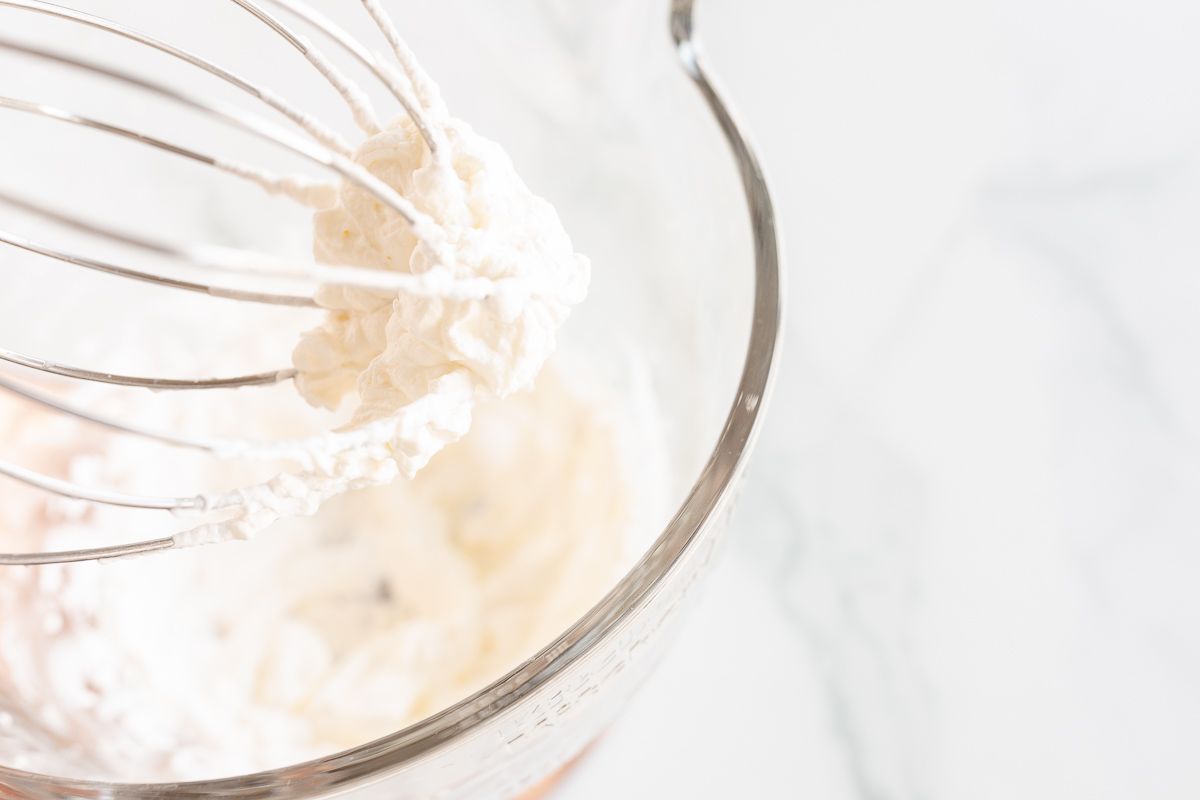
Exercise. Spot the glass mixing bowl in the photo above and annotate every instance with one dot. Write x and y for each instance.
(589, 98)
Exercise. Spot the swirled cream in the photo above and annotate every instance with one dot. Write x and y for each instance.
(385, 606)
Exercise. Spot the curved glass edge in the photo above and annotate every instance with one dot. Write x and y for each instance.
(341, 771)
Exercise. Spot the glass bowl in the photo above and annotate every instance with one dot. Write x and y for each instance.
(589, 98)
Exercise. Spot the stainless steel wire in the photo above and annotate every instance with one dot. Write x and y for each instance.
(314, 142)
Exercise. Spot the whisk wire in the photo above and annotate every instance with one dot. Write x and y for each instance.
(354, 98)
(159, 280)
(316, 143)
(310, 124)
(102, 496)
(396, 86)
(158, 384)
(423, 227)
(49, 401)
(238, 261)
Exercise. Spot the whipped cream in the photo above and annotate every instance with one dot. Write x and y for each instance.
(384, 607)
(390, 350)
(415, 362)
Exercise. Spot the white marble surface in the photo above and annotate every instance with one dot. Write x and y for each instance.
(965, 564)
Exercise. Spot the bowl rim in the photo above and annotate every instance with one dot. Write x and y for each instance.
(708, 495)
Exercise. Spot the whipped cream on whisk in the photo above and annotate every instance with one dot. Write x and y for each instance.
(392, 349)
(416, 362)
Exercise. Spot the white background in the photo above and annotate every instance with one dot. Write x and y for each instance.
(966, 560)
